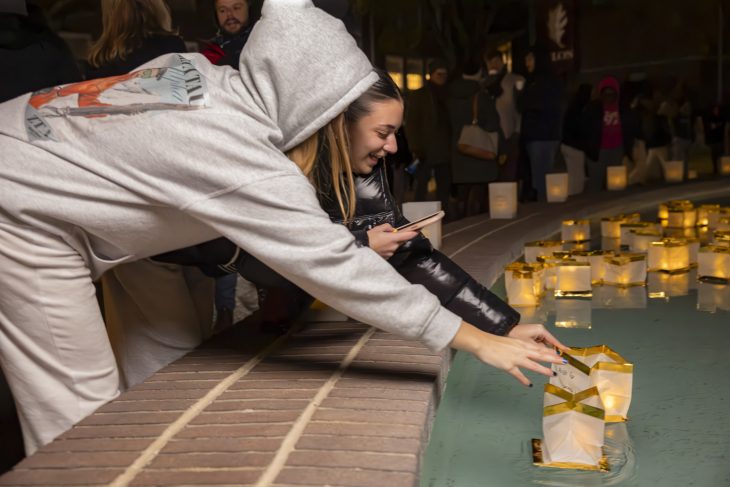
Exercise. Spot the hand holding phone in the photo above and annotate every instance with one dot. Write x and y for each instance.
(421, 222)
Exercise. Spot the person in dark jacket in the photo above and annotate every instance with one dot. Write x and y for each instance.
(469, 174)
(134, 33)
(376, 214)
(235, 19)
(610, 133)
(429, 134)
(540, 105)
(31, 54)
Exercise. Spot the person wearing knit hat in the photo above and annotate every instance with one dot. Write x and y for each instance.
(90, 182)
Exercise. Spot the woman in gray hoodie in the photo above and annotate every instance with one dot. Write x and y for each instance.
(113, 170)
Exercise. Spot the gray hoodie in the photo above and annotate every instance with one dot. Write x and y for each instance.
(181, 151)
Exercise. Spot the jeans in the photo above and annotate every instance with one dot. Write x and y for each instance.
(542, 158)
(225, 292)
(597, 169)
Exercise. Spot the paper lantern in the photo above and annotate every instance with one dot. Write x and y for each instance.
(668, 255)
(523, 283)
(661, 285)
(573, 313)
(640, 240)
(614, 297)
(690, 232)
(681, 217)
(416, 210)
(703, 214)
(664, 207)
(704, 234)
(674, 171)
(599, 367)
(714, 217)
(724, 166)
(611, 226)
(714, 262)
(627, 228)
(573, 279)
(612, 244)
(549, 263)
(616, 178)
(575, 231)
(596, 260)
(691, 174)
(712, 297)
(573, 428)
(502, 200)
(626, 269)
(556, 186)
(721, 238)
(541, 248)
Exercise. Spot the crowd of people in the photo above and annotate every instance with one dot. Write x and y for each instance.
(278, 154)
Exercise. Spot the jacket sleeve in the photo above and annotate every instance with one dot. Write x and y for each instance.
(459, 292)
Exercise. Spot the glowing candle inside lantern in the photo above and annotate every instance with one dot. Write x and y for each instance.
(681, 217)
(616, 178)
(573, 279)
(596, 261)
(725, 166)
(674, 171)
(626, 269)
(714, 262)
(703, 214)
(669, 255)
(502, 200)
(575, 231)
(640, 240)
(556, 187)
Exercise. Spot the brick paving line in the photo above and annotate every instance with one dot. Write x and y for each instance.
(153, 450)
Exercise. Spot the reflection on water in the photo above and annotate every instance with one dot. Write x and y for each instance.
(713, 297)
(573, 313)
(621, 456)
(613, 297)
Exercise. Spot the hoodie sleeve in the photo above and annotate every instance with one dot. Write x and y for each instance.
(283, 225)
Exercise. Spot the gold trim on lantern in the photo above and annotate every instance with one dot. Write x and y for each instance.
(537, 460)
(625, 258)
(620, 365)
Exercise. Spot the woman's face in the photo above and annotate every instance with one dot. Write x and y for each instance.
(373, 136)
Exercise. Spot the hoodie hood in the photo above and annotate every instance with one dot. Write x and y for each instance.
(609, 82)
(303, 68)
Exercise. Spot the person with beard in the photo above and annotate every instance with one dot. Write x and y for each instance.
(429, 133)
(504, 87)
(31, 51)
(234, 20)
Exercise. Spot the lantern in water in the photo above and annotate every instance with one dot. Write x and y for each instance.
(674, 171)
(669, 255)
(681, 217)
(596, 260)
(714, 262)
(549, 263)
(523, 283)
(627, 269)
(599, 367)
(616, 178)
(611, 226)
(724, 166)
(625, 229)
(664, 207)
(661, 285)
(502, 200)
(556, 186)
(573, 279)
(541, 248)
(703, 214)
(575, 230)
(640, 240)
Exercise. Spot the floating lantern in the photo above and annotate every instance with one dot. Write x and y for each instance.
(415, 210)
(502, 200)
(541, 248)
(664, 207)
(661, 285)
(640, 240)
(625, 229)
(612, 244)
(599, 367)
(628, 269)
(576, 246)
(613, 297)
(556, 186)
(523, 283)
(712, 297)
(703, 214)
(681, 217)
(573, 428)
(724, 166)
(573, 313)
(611, 226)
(669, 255)
(616, 178)
(575, 231)
(721, 238)
(573, 279)
(674, 171)
(549, 264)
(596, 260)
(714, 262)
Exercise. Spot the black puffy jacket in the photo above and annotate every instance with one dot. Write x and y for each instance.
(416, 260)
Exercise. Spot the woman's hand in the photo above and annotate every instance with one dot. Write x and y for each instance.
(385, 241)
(506, 353)
(536, 333)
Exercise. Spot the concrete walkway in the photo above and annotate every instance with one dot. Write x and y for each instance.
(331, 403)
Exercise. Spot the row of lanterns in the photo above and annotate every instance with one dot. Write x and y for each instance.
(503, 196)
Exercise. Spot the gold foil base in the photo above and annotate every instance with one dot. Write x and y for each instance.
(616, 418)
(681, 270)
(537, 460)
(573, 294)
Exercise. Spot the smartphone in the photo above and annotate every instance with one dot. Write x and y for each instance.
(422, 222)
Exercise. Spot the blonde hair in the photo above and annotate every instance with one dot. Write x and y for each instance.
(338, 175)
(126, 24)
